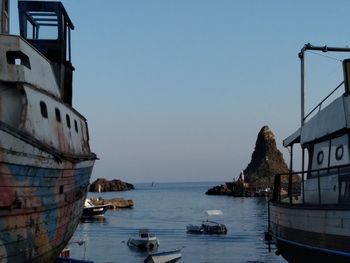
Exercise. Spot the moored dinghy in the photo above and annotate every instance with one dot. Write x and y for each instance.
(91, 210)
(211, 227)
(144, 240)
(208, 227)
(164, 257)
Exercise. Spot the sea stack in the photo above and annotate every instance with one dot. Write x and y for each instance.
(266, 161)
(257, 178)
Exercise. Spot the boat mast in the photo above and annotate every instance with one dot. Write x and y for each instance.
(302, 87)
(4, 16)
(302, 69)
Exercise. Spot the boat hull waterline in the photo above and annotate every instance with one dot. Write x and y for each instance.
(310, 235)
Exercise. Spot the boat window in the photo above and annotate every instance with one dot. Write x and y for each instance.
(339, 152)
(76, 125)
(17, 58)
(87, 131)
(320, 156)
(58, 114)
(68, 120)
(43, 109)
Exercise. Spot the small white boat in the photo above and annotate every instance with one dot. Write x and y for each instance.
(144, 240)
(164, 257)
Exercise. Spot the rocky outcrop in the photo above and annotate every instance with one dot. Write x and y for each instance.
(258, 177)
(115, 203)
(219, 190)
(104, 185)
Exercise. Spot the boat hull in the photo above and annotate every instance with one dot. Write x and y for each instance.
(311, 233)
(193, 229)
(140, 243)
(95, 211)
(41, 202)
(164, 257)
(214, 228)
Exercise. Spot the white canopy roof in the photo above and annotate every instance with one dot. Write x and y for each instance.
(214, 213)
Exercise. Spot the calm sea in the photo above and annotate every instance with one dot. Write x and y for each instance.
(166, 209)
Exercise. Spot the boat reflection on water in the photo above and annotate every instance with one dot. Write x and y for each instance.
(96, 219)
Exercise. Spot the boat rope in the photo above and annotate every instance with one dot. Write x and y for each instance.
(325, 56)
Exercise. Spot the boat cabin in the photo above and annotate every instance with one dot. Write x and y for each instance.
(47, 26)
(324, 140)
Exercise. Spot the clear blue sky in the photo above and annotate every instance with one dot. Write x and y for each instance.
(178, 90)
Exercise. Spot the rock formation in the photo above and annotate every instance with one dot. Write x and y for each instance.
(258, 177)
(103, 185)
(266, 161)
(114, 203)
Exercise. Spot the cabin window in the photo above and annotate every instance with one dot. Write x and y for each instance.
(339, 152)
(76, 126)
(61, 189)
(320, 157)
(17, 58)
(43, 109)
(42, 25)
(68, 120)
(58, 114)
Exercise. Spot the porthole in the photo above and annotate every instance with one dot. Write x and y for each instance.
(339, 152)
(43, 109)
(76, 126)
(68, 120)
(320, 156)
(58, 114)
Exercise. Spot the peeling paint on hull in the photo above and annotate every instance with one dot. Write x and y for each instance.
(40, 207)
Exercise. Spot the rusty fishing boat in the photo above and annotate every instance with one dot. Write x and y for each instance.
(309, 214)
(45, 158)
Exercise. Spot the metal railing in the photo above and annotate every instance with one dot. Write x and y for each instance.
(290, 187)
(320, 104)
